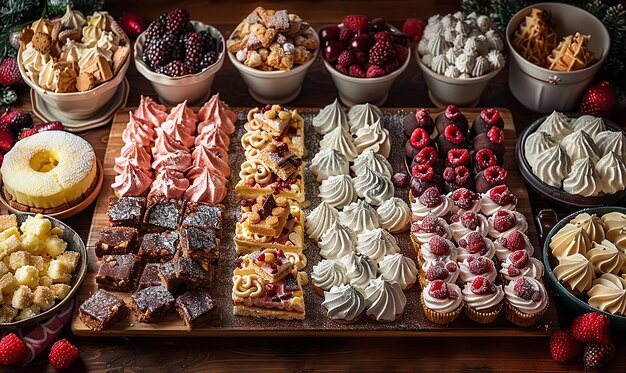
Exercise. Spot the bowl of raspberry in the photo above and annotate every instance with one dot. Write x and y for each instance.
(364, 57)
(179, 57)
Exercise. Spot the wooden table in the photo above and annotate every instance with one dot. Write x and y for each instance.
(312, 354)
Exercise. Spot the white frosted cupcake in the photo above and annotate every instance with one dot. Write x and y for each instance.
(512, 242)
(526, 301)
(467, 223)
(520, 264)
(475, 244)
(437, 248)
(474, 266)
(430, 202)
(483, 300)
(442, 302)
(496, 199)
(463, 200)
(504, 221)
(438, 270)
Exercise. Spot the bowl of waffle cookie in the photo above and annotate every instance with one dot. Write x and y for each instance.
(556, 50)
(74, 63)
(273, 49)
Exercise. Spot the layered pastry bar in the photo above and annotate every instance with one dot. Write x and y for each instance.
(158, 247)
(116, 240)
(270, 264)
(203, 216)
(118, 272)
(267, 215)
(167, 274)
(256, 138)
(162, 214)
(151, 304)
(257, 178)
(291, 238)
(194, 307)
(101, 310)
(126, 211)
(199, 244)
(273, 119)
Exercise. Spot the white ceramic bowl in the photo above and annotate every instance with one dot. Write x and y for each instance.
(543, 90)
(354, 91)
(195, 88)
(444, 91)
(274, 87)
(78, 105)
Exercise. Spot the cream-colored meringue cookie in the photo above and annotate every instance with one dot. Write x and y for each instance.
(373, 187)
(359, 216)
(329, 118)
(373, 137)
(377, 243)
(363, 114)
(582, 179)
(394, 215)
(536, 143)
(329, 162)
(579, 145)
(338, 191)
(374, 161)
(319, 220)
(611, 173)
(552, 166)
(339, 139)
(557, 125)
(569, 240)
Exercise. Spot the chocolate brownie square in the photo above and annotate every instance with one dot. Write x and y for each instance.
(194, 307)
(150, 276)
(200, 244)
(118, 272)
(158, 247)
(101, 310)
(126, 211)
(167, 274)
(191, 272)
(163, 214)
(116, 240)
(150, 304)
(202, 215)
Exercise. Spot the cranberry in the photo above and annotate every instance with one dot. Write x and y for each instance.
(332, 50)
(329, 32)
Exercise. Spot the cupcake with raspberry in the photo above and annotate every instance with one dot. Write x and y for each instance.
(466, 223)
(483, 300)
(496, 199)
(418, 140)
(483, 159)
(456, 178)
(489, 178)
(438, 270)
(431, 202)
(437, 248)
(519, 264)
(474, 266)
(429, 227)
(475, 244)
(525, 301)
(423, 178)
(487, 119)
(504, 222)
(464, 200)
(512, 242)
(450, 138)
(452, 116)
(442, 302)
(492, 140)
(419, 119)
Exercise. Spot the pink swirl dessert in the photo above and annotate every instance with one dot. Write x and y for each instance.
(208, 188)
(437, 248)
(474, 266)
(467, 223)
(184, 117)
(440, 270)
(520, 264)
(170, 153)
(205, 158)
(151, 112)
(177, 131)
(475, 244)
(170, 184)
(134, 152)
(216, 113)
(512, 242)
(429, 227)
(431, 202)
(213, 137)
(132, 181)
(138, 131)
(504, 222)
(496, 199)
(463, 200)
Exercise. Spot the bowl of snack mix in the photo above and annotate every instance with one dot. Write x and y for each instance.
(272, 50)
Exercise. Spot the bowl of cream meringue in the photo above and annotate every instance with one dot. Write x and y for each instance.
(458, 54)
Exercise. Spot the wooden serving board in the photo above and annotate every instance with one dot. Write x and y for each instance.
(412, 323)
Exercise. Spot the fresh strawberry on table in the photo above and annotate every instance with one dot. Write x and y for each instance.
(9, 71)
(563, 346)
(598, 355)
(12, 350)
(7, 140)
(15, 119)
(63, 354)
(592, 327)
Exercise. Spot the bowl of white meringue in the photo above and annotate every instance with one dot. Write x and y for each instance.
(459, 54)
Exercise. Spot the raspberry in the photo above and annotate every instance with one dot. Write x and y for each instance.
(360, 57)
(452, 267)
(462, 175)
(194, 50)
(525, 290)
(423, 118)
(495, 135)
(12, 350)
(457, 157)
(452, 112)
(485, 158)
(423, 173)
(439, 246)
(177, 20)
(391, 66)
(598, 355)
(374, 71)
(495, 175)
(383, 37)
(345, 34)
(419, 138)
(426, 156)
(402, 53)
(515, 241)
(62, 354)
(382, 52)
(464, 198)
(475, 243)
(490, 116)
(503, 221)
(482, 285)
(342, 69)
(469, 219)
(400, 180)
(356, 71)
(563, 346)
(479, 265)
(431, 198)
(439, 289)
(592, 327)
(453, 135)
(429, 223)
(449, 174)
(436, 272)
(414, 27)
(519, 258)
(356, 23)
(513, 271)
(346, 58)
(502, 195)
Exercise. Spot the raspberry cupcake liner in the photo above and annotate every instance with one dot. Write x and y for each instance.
(416, 247)
(422, 278)
(483, 317)
(520, 318)
(440, 317)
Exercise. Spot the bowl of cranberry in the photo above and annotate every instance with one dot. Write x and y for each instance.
(364, 57)
(179, 57)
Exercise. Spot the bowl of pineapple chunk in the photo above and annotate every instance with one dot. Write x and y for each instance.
(42, 263)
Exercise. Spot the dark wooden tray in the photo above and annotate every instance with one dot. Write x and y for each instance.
(412, 323)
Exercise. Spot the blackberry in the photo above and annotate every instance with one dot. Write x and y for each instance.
(208, 41)
(183, 38)
(381, 52)
(156, 54)
(208, 59)
(171, 42)
(154, 31)
(189, 27)
(194, 49)
(177, 21)
(176, 68)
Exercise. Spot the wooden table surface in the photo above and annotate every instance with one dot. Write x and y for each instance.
(312, 354)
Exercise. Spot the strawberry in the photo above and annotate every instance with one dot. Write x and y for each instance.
(7, 140)
(15, 120)
(374, 71)
(9, 72)
(598, 355)
(356, 23)
(563, 346)
(62, 354)
(27, 132)
(592, 327)
(599, 100)
(49, 126)
(414, 27)
(12, 350)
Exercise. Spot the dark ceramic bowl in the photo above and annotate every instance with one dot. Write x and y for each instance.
(576, 304)
(74, 243)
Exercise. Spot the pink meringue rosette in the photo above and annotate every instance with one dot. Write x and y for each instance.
(170, 184)
(203, 157)
(216, 113)
(139, 131)
(151, 112)
(132, 181)
(184, 117)
(177, 131)
(213, 137)
(133, 151)
(208, 188)
(170, 153)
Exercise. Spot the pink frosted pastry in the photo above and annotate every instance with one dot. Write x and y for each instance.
(132, 181)
(170, 184)
(216, 113)
(139, 131)
(213, 137)
(177, 131)
(133, 151)
(151, 112)
(208, 188)
(165, 144)
(203, 157)
(183, 117)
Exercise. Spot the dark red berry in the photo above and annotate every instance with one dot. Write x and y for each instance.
(495, 135)
(439, 289)
(453, 135)
(482, 285)
(400, 180)
(490, 116)
(495, 175)
(479, 265)
(423, 173)
(426, 156)
(430, 198)
(439, 246)
(516, 241)
(329, 32)
(457, 157)
(419, 138)
(485, 158)
(519, 258)
(470, 220)
(452, 112)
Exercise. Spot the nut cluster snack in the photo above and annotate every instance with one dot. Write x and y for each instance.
(35, 267)
(271, 40)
